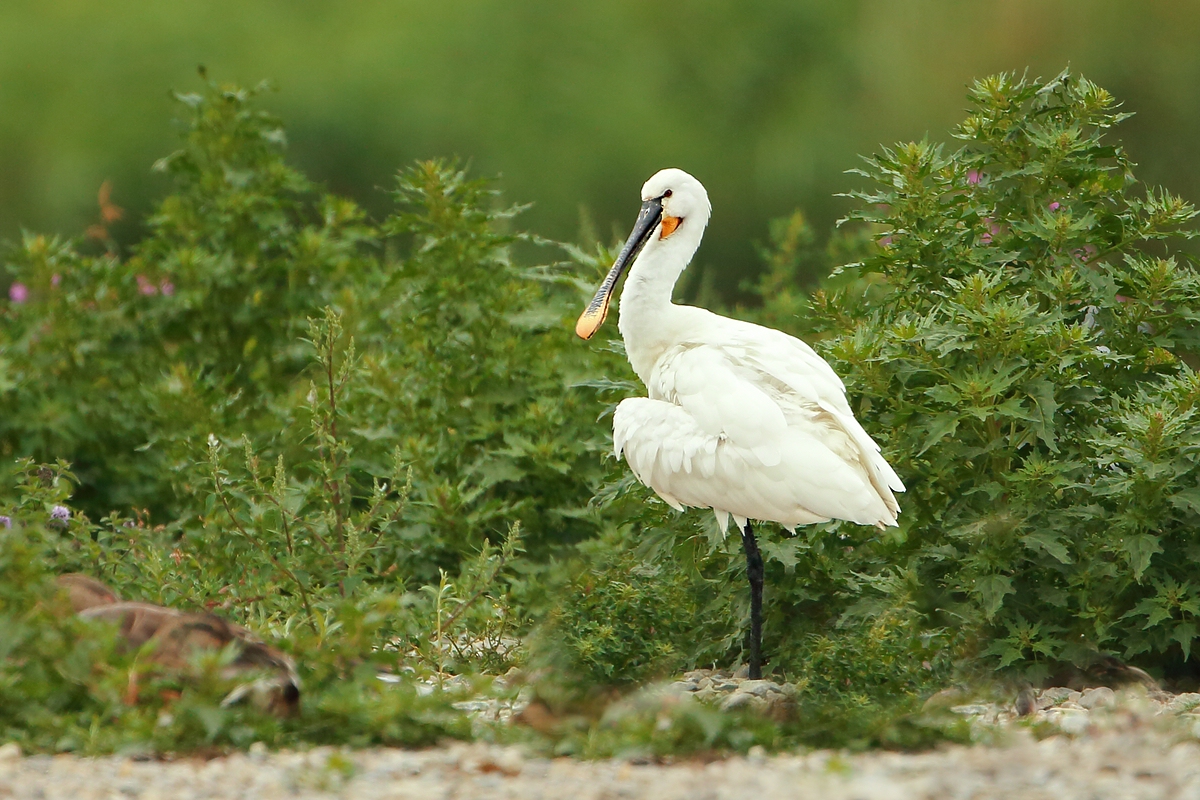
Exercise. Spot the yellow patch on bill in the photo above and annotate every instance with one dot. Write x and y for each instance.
(669, 224)
(591, 320)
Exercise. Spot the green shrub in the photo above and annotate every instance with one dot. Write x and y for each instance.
(313, 425)
(1019, 339)
(125, 365)
(65, 687)
(620, 618)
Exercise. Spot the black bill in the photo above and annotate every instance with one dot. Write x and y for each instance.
(593, 317)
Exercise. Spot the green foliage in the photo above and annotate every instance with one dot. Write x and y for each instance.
(470, 361)
(621, 619)
(341, 491)
(64, 686)
(1019, 340)
(120, 364)
(379, 444)
(655, 724)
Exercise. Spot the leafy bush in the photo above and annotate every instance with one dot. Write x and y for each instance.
(1022, 340)
(622, 619)
(342, 491)
(65, 687)
(119, 365)
(125, 365)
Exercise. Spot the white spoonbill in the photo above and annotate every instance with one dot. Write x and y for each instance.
(742, 419)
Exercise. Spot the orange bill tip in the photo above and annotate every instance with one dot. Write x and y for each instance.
(591, 320)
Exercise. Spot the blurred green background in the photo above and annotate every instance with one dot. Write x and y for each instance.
(574, 105)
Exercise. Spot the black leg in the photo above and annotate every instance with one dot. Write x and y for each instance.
(754, 571)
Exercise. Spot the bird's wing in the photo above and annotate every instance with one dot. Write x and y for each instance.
(811, 384)
(719, 431)
(670, 452)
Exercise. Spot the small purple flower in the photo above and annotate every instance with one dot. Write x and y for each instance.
(18, 293)
(60, 513)
(167, 288)
(973, 177)
(145, 286)
(6, 521)
(55, 280)
(1054, 206)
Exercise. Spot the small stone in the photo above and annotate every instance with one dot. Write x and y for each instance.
(258, 752)
(724, 686)
(742, 672)
(1186, 701)
(10, 751)
(1100, 697)
(944, 699)
(741, 700)
(757, 754)
(682, 686)
(1070, 720)
(973, 709)
(1053, 696)
(758, 688)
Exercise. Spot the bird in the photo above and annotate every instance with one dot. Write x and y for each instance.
(742, 419)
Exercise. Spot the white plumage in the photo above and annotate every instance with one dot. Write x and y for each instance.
(742, 419)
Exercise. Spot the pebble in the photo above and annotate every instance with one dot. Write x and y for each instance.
(1181, 703)
(1100, 697)
(737, 692)
(1070, 720)
(759, 688)
(739, 701)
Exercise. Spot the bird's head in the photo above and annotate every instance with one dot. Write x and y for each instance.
(671, 200)
(679, 196)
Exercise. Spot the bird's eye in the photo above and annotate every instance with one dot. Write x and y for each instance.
(668, 193)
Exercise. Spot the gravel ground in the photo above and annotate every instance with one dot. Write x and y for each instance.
(1103, 745)
(1111, 765)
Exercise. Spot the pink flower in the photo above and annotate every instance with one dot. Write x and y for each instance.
(55, 279)
(993, 229)
(145, 286)
(167, 288)
(18, 293)
(1054, 206)
(973, 177)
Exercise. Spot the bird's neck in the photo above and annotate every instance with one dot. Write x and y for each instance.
(648, 320)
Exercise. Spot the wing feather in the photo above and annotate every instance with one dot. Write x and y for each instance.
(754, 424)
